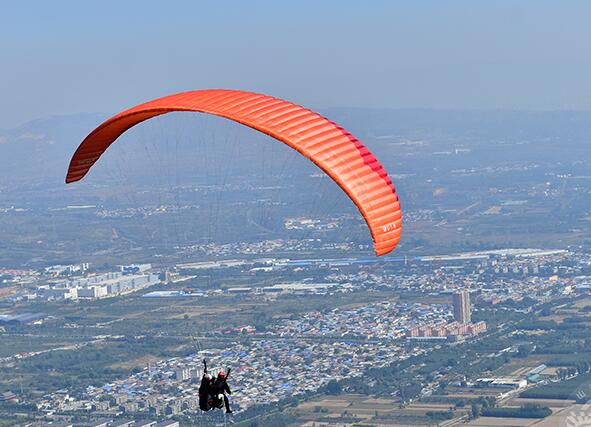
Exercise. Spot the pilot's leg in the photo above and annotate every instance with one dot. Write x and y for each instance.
(227, 404)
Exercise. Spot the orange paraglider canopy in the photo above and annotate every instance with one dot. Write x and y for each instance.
(338, 153)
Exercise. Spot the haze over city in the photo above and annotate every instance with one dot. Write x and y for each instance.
(295, 214)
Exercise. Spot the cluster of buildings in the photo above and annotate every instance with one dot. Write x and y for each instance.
(305, 223)
(21, 318)
(462, 325)
(74, 282)
(67, 270)
(263, 371)
(16, 273)
(93, 286)
(106, 422)
(501, 382)
(451, 331)
(141, 212)
(383, 321)
(560, 272)
(263, 247)
(275, 365)
(533, 376)
(301, 288)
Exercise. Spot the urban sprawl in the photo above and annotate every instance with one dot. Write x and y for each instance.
(275, 363)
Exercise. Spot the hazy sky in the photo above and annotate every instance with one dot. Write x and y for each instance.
(60, 57)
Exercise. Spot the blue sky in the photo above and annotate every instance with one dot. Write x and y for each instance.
(62, 57)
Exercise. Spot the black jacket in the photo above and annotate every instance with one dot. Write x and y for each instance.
(205, 387)
(220, 386)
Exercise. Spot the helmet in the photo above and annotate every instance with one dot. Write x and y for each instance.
(221, 374)
(207, 376)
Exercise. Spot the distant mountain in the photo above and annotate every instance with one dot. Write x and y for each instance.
(40, 149)
(38, 152)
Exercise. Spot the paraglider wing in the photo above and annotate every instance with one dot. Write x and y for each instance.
(338, 153)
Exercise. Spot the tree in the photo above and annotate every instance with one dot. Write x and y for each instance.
(524, 350)
(475, 410)
(333, 388)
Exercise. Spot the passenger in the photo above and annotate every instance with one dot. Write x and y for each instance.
(205, 389)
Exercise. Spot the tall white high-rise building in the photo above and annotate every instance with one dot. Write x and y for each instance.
(462, 308)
